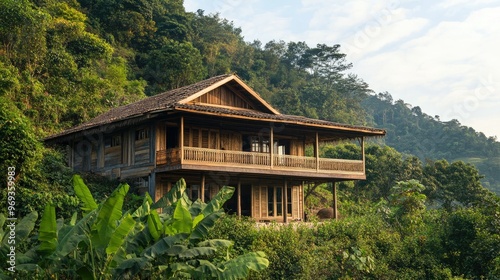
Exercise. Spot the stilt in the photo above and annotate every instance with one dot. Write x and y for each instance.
(238, 210)
(285, 202)
(335, 213)
(203, 187)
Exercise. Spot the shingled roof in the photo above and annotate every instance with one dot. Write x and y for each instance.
(177, 100)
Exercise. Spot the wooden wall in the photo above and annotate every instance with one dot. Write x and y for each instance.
(115, 160)
(142, 151)
(231, 141)
(113, 156)
(223, 96)
(297, 148)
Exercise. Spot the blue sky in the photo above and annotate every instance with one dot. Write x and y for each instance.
(443, 56)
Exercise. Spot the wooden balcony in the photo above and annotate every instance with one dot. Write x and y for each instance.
(238, 160)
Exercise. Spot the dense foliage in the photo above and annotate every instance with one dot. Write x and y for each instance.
(109, 242)
(384, 242)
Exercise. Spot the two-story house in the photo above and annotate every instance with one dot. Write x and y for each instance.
(213, 133)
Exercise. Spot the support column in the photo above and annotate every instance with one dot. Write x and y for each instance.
(285, 202)
(181, 139)
(271, 146)
(363, 153)
(238, 210)
(203, 187)
(335, 212)
(316, 151)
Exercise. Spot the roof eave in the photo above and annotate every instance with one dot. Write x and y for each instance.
(360, 131)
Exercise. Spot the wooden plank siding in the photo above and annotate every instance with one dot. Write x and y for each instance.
(113, 156)
(223, 96)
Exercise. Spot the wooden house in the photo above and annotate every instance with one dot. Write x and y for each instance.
(213, 133)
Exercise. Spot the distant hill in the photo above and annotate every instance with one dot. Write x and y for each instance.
(411, 131)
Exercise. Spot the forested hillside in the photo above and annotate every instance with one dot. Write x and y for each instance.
(411, 131)
(64, 62)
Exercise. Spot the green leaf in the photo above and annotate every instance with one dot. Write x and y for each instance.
(131, 267)
(48, 230)
(71, 236)
(216, 203)
(154, 225)
(182, 221)
(109, 214)
(216, 243)
(26, 226)
(177, 193)
(83, 193)
(74, 218)
(145, 208)
(240, 266)
(197, 252)
(2, 221)
(127, 224)
(23, 229)
(198, 219)
(163, 245)
(201, 229)
(205, 268)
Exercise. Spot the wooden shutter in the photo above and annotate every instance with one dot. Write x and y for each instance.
(204, 138)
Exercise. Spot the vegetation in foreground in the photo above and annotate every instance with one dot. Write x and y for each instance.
(109, 242)
(397, 238)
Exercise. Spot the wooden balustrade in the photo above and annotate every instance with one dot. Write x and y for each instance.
(257, 160)
(168, 157)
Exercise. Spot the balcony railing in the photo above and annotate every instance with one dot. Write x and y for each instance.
(256, 160)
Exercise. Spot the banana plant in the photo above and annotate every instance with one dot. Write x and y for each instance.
(19, 235)
(108, 242)
(90, 245)
(180, 248)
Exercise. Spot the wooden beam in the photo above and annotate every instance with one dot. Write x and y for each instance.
(181, 140)
(271, 146)
(355, 131)
(285, 202)
(363, 153)
(238, 210)
(335, 212)
(203, 187)
(316, 151)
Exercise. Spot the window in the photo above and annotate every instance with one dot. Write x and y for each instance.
(201, 138)
(282, 147)
(141, 134)
(259, 144)
(116, 140)
(274, 201)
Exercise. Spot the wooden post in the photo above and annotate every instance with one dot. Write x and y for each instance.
(316, 151)
(203, 187)
(181, 140)
(271, 146)
(363, 153)
(335, 213)
(238, 210)
(285, 202)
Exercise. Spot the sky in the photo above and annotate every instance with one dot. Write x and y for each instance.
(443, 56)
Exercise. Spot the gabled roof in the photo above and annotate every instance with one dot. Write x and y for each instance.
(179, 100)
